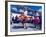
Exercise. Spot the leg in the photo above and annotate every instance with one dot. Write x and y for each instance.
(25, 26)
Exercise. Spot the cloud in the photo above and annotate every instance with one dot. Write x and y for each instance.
(14, 9)
(40, 10)
(21, 10)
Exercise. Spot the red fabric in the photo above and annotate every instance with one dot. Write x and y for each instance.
(36, 21)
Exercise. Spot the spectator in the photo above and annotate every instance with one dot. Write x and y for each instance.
(36, 21)
(16, 20)
(13, 19)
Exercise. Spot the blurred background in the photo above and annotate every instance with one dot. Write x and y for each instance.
(31, 15)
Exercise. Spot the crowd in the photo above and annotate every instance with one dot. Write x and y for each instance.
(26, 19)
(35, 19)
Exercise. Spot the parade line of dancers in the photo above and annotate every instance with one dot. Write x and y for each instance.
(24, 18)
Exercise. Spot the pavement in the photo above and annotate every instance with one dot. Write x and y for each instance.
(18, 27)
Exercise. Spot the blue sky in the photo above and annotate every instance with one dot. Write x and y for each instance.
(18, 7)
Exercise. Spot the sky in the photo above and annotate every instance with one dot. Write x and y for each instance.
(17, 8)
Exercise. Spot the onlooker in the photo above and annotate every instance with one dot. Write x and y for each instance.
(36, 21)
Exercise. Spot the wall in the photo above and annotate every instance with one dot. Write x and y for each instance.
(2, 19)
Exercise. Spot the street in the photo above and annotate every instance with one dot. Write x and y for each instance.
(17, 27)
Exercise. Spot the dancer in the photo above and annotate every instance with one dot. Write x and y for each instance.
(23, 18)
